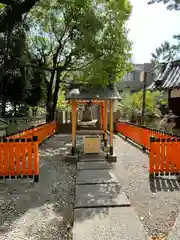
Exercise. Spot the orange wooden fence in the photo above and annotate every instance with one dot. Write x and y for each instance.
(19, 154)
(140, 135)
(164, 148)
(42, 132)
(19, 158)
(164, 156)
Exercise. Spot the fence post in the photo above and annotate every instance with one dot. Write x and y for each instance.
(152, 156)
(36, 159)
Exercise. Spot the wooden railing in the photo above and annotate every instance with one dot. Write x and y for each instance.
(164, 148)
(164, 156)
(42, 132)
(19, 153)
(19, 158)
(139, 134)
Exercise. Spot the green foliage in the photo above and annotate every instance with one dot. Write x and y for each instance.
(88, 38)
(131, 104)
(62, 104)
(114, 48)
(2, 5)
(171, 4)
(166, 52)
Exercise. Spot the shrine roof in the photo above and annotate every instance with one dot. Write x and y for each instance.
(93, 93)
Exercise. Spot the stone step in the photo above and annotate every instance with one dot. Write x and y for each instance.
(119, 223)
(93, 165)
(100, 195)
(95, 176)
(93, 157)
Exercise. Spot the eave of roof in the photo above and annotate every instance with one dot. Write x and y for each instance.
(93, 94)
(168, 79)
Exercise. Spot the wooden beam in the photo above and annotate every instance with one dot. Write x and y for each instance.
(74, 117)
(111, 127)
(101, 116)
(106, 121)
(93, 101)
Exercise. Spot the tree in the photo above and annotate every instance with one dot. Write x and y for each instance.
(86, 37)
(171, 4)
(131, 105)
(18, 84)
(12, 12)
(166, 52)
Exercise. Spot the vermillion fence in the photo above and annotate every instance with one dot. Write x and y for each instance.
(164, 148)
(19, 153)
(19, 158)
(140, 135)
(42, 132)
(164, 156)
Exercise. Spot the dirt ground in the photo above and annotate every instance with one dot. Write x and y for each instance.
(157, 202)
(42, 210)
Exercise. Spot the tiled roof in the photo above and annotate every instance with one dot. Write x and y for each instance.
(169, 78)
(93, 93)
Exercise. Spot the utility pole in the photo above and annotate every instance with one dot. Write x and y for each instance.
(143, 78)
(144, 98)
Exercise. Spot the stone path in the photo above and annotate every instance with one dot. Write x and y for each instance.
(102, 210)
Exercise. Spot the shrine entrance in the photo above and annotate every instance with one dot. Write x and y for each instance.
(104, 99)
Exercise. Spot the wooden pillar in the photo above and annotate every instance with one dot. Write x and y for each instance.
(105, 122)
(74, 116)
(102, 116)
(111, 127)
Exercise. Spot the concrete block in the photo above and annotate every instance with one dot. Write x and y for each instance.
(100, 195)
(112, 158)
(93, 165)
(95, 176)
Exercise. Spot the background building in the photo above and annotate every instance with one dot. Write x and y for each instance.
(132, 80)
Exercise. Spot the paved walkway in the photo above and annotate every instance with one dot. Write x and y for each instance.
(102, 209)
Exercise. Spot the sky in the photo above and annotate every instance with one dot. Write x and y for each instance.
(149, 26)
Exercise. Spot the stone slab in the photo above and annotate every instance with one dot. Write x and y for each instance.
(112, 158)
(93, 165)
(95, 176)
(108, 223)
(72, 158)
(82, 159)
(93, 157)
(100, 195)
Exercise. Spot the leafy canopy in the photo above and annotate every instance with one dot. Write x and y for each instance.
(166, 52)
(171, 4)
(88, 37)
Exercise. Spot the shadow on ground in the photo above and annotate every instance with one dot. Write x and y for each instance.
(40, 210)
(96, 202)
(164, 184)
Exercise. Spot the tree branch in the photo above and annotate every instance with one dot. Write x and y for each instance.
(12, 13)
(7, 2)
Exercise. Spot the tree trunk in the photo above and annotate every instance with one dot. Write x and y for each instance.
(49, 98)
(3, 113)
(52, 108)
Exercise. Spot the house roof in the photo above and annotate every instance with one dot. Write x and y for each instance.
(168, 78)
(92, 93)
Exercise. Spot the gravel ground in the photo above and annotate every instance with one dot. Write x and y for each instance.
(42, 210)
(156, 203)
